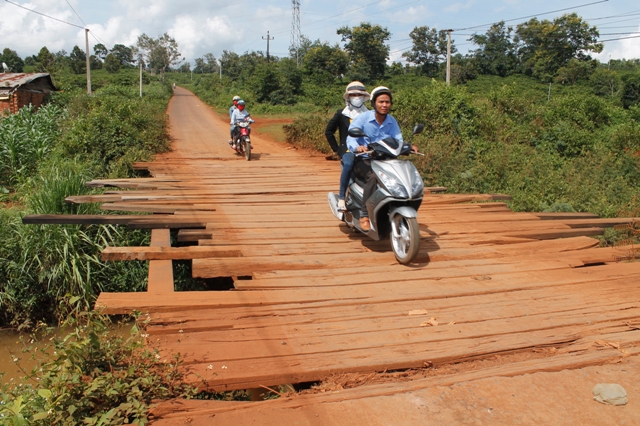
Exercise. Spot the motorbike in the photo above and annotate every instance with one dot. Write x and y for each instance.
(242, 141)
(394, 204)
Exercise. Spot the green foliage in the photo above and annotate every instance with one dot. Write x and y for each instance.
(429, 49)
(325, 63)
(547, 46)
(92, 375)
(115, 127)
(367, 50)
(13, 61)
(26, 139)
(308, 132)
(111, 63)
(496, 54)
(631, 90)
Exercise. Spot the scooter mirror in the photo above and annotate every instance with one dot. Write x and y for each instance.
(418, 129)
(356, 132)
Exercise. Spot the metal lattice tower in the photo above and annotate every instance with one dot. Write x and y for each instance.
(295, 28)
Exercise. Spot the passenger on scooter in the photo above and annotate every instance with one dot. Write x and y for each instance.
(354, 97)
(233, 108)
(378, 124)
(239, 114)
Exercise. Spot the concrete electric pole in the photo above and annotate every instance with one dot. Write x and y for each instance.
(268, 38)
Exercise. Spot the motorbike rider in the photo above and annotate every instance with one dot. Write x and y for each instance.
(239, 114)
(378, 124)
(233, 108)
(355, 96)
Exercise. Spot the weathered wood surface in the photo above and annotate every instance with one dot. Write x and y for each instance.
(323, 299)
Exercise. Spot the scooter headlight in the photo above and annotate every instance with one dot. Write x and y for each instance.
(417, 188)
(394, 187)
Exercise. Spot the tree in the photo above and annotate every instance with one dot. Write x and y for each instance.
(428, 50)
(575, 71)
(78, 60)
(160, 53)
(366, 47)
(604, 82)
(13, 61)
(325, 63)
(497, 52)
(111, 63)
(124, 55)
(211, 64)
(630, 90)
(230, 62)
(100, 51)
(45, 61)
(546, 46)
(301, 51)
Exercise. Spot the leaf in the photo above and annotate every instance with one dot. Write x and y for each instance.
(45, 393)
(431, 323)
(40, 416)
(418, 312)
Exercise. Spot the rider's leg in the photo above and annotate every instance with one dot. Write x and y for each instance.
(362, 169)
(348, 159)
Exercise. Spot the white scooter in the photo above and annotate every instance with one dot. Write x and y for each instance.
(393, 206)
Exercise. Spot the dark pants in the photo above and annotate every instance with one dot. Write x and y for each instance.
(363, 170)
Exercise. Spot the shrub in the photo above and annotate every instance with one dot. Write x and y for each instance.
(92, 375)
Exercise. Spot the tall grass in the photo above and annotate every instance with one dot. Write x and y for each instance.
(26, 139)
(90, 138)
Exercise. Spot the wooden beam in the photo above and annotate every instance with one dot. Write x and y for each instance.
(167, 253)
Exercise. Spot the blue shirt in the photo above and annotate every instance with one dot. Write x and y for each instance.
(238, 115)
(233, 108)
(367, 122)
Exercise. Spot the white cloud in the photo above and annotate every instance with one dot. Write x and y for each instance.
(457, 7)
(411, 15)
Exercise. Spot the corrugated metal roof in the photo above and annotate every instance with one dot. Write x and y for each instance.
(15, 80)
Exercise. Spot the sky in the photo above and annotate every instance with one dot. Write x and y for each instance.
(211, 26)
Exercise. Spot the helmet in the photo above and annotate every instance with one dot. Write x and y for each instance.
(379, 91)
(356, 88)
(236, 98)
(241, 102)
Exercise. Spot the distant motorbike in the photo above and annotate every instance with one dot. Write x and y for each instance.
(393, 206)
(242, 141)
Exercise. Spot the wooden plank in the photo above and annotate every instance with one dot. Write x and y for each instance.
(166, 253)
(160, 271)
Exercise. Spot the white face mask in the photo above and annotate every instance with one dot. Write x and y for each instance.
(356, 101)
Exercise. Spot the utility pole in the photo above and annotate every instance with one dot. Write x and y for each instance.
(140, 60)
(88, 55)
(268, 39)
(220, 68)
(449, 56)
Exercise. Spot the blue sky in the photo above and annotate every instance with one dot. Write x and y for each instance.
(212, 26)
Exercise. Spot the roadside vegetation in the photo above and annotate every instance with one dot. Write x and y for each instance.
(529, 113)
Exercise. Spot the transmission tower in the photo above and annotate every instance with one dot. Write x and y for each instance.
(295, 28)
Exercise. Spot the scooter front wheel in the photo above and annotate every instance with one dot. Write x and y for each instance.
(247, 150)
(405, 238)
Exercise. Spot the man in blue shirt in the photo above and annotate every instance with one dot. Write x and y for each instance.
(377, 124)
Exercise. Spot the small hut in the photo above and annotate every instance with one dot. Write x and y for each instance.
(19, 89)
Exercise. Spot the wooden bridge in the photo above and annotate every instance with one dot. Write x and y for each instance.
(492, 294)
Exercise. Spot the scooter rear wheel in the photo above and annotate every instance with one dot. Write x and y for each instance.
(405, 238)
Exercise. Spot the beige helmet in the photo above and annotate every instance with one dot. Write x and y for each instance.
(356, 88)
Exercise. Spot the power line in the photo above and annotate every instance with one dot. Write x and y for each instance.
(47, 16)
(532, 16)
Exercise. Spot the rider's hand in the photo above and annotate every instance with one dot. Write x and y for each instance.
(414, 148)
(362, 148)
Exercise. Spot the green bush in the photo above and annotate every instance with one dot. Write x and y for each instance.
(92, 375)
